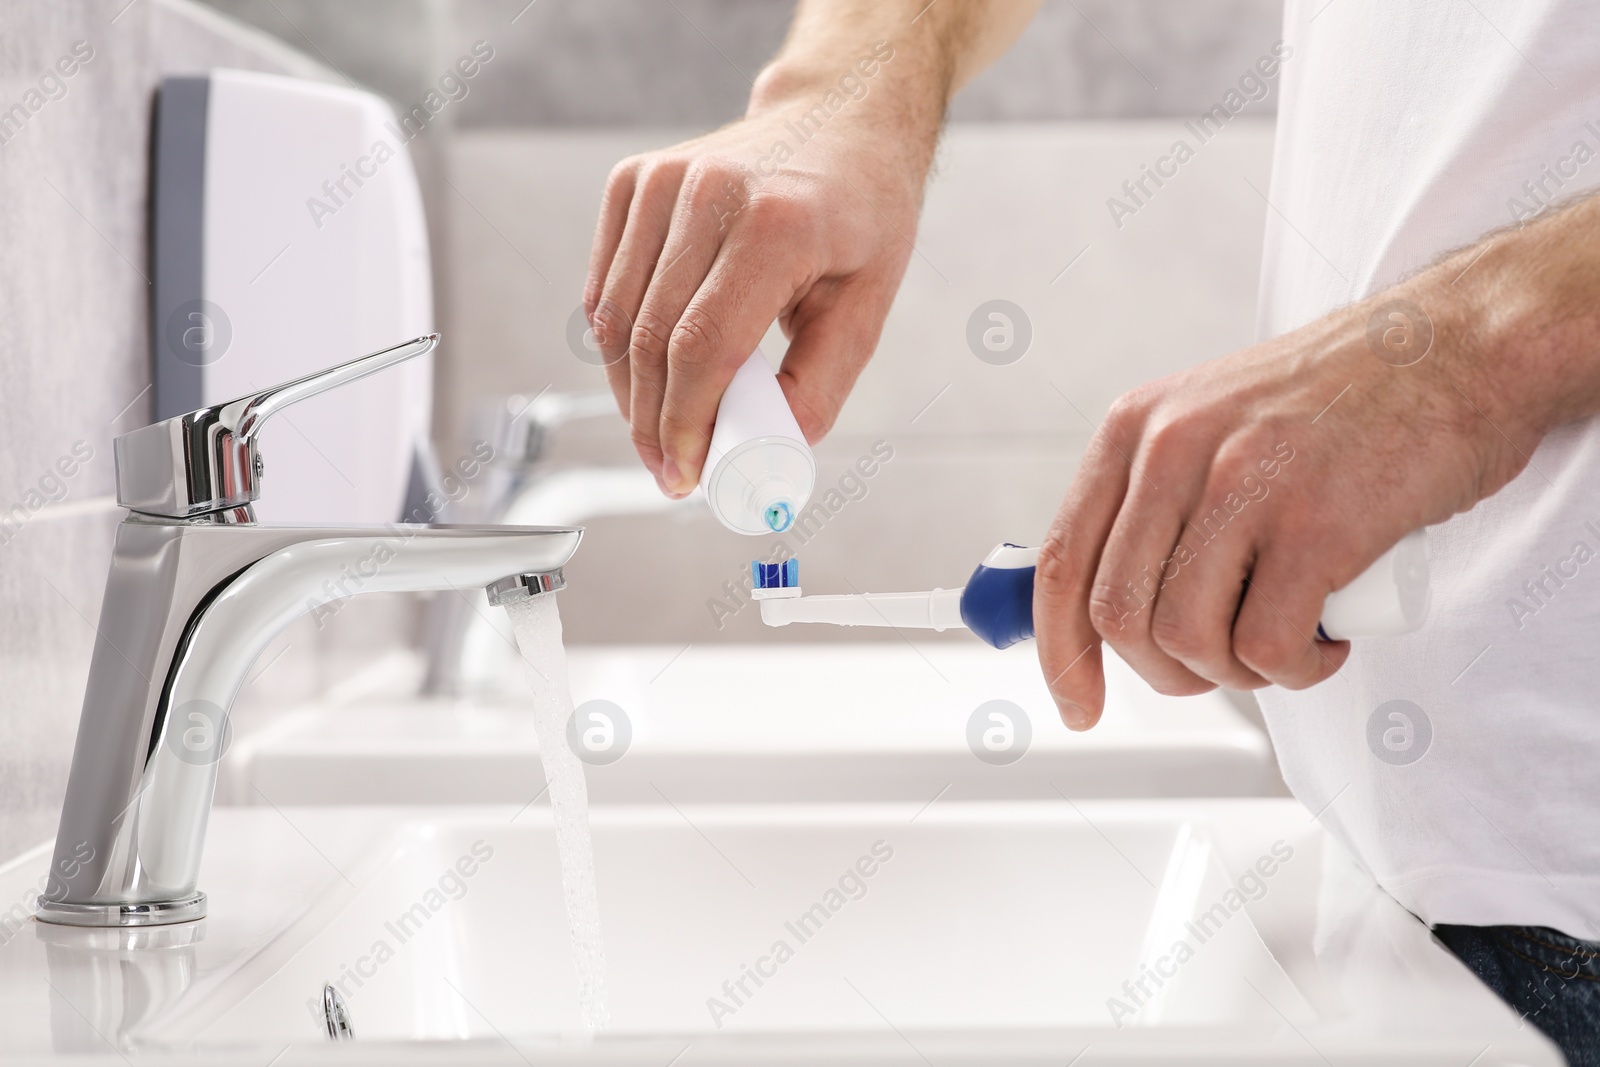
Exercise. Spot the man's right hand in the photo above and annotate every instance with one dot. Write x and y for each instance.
(701, 246)
(803, 212)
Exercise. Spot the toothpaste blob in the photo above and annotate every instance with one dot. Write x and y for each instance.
(759, 471)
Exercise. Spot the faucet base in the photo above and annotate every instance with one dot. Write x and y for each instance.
(159, 913)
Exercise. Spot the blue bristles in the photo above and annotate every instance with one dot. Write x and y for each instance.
(785, 575)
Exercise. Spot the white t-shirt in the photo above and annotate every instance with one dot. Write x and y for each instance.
(1408, 128)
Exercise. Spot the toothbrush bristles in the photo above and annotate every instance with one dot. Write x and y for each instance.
(782, 575)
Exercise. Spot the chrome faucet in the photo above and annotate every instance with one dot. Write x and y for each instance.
(196, 590)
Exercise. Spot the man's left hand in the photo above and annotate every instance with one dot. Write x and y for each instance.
(1216, 509)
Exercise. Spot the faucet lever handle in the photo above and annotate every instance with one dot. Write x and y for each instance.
(256, 408)
(206, 460)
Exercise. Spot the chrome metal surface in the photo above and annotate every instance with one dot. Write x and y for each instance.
(336, 1015)
(522, 586)
(160, 913)
(519, 427)
(207, 460)
(189, 606)
(107, 983)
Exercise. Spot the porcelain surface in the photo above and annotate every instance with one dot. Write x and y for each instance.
(955, 932)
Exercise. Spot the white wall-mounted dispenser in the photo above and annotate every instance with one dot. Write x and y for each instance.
(287, 231)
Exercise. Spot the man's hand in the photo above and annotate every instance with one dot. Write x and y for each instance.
(700, 247)
(803, 212)
(1215, 510)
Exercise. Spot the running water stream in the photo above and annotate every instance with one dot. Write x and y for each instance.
(537, 624)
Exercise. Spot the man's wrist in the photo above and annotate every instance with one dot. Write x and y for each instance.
(874, 90)
(878, 77)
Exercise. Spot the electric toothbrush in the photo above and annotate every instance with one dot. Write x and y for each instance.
(1389, 598)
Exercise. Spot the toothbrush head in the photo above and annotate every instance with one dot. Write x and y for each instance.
(773, 581)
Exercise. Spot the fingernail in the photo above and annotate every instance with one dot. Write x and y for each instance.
(1075, 717)
(672, 475)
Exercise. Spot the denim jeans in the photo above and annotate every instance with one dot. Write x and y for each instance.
(1549, 978)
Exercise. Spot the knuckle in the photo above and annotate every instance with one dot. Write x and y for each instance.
(625, 169)
(1110, 613)
(712, 176)
(697, 339)
(675, 424)
(1235, 459)
(1054, 571)
(659, 179)
(611, 325)
(1250, 454)
(671, 421)
(698, 170)
(646, 441)
(1168, 438)
(649, 337)
(1177, 637)
(1121, 425)
(1129, 409)
(1226, 485)
(1296, 683)
(815, 419)
(1271, 653)
(779, 215)
(620, 182)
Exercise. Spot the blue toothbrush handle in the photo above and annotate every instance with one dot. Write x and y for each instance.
(997, 603)
(1389, 598)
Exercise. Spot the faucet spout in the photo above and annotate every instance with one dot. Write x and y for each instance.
(189, 606)
(467, 650)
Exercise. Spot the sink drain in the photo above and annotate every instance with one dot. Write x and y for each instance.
(336, 1014)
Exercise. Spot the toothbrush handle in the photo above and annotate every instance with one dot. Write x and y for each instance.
(997, 602)
(1389, 598)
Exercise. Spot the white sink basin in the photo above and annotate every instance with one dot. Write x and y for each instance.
(765, 723)
(984, 933)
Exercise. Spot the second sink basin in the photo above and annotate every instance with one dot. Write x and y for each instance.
(795, 723)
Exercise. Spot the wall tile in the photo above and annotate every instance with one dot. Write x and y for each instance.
(584, 63)
(52, 576)
(1092, 59)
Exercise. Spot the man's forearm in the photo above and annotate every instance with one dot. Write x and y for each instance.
(1515, 320)
(1535, 293)
(936, 48)
(950, 41)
